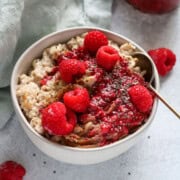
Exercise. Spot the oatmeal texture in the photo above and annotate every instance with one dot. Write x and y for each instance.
(42, 85)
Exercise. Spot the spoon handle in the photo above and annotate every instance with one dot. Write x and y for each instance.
(165, 102)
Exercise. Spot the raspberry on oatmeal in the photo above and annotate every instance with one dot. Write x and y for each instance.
(93, 88)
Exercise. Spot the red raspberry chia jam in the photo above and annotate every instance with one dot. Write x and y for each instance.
(110, 105)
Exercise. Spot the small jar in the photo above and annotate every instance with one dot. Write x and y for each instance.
(155, 6)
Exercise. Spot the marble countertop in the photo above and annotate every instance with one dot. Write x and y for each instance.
(157, 156)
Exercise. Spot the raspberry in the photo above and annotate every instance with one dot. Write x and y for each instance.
(141, 98)
(107, 57)
(164, 59)
(94, 40)
(11, 170)
(71, 69)
(57, 119)
(77, 99)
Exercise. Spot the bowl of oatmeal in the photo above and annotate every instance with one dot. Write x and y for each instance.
(80, 95)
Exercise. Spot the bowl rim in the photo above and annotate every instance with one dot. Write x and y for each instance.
(45, 140)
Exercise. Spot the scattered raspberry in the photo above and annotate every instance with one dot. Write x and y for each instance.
(164, 59)
(77, 99)
(94, 40)
(71, 69)
(57, 119)
(11, 170)
(141, 98)
(107, 57)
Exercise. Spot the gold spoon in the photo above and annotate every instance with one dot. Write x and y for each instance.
(146, 64)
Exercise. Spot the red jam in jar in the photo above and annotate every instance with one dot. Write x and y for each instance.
(155, 6)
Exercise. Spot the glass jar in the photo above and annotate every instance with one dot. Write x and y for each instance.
(155, 6)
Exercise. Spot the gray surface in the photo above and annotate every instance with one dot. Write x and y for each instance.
(158, 156)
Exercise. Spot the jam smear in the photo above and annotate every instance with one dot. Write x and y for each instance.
(45, 80)
(110, 105)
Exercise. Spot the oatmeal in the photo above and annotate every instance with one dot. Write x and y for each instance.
(87, 92)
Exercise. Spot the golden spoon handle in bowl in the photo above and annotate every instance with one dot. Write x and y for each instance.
(165, 102)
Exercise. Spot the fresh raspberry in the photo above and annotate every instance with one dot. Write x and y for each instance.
(57, 119)
(107, 57)
(71, 69)
(11, 170)
(94, 40)
(164, 59)
(141, 98)
(77, 99)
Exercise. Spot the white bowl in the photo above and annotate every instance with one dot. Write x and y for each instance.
(64, 153)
